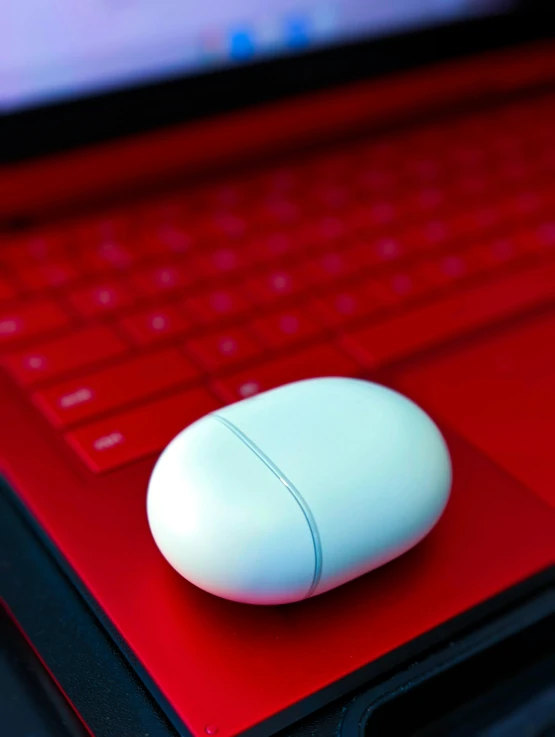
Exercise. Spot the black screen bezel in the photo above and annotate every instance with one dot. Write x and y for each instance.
(66, 125)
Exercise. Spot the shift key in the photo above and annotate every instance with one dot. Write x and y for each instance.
(102, 391)
(107, 444)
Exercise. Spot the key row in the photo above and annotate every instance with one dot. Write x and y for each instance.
(334, 309)
(108, 443)
(334, 261)
(92, 346)
(49, 260)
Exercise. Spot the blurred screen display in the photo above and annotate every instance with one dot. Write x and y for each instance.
(52, 50)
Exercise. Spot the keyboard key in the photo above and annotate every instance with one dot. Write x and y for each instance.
(101, 298)
(401, 286)
(279, 285)
(482, 257)
(7, 289)
(226, 260)
(324, 232)
(525, 204)
(375, 180)
(539, 239)
(383, 251)
(218, 305)
(224, 225)
(322, 360)
(332, 196)
(110, 443)
(167, 238)
(332, 165)
(331, 266)
(91, 395)
(502, 251)
(431, 235)
(452, 316)
(285, 327)
(344, 306)
(277, 211)
(445, 270)
(223, 349)
(272, 246)
(472, 187)
(62, 355)
(33, 248)
(31, 320)
(373, 217)
(280, 182)
(228, 195)
(151, 326)
(108, 254)
(476, 222)
(154, 281)
(50, 275)
(111, 228)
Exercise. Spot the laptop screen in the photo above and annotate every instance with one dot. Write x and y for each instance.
(55, 51)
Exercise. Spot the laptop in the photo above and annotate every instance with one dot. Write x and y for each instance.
(202, 202)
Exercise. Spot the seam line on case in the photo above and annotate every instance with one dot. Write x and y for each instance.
(295, 493)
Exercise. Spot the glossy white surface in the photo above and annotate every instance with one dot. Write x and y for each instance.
(225, 522)
(298, 490)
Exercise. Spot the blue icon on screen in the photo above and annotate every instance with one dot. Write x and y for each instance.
(297, 31)
(241, 45)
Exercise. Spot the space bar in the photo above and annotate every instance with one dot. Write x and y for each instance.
(452, 316)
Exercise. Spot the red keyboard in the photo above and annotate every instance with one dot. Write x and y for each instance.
(125, 327)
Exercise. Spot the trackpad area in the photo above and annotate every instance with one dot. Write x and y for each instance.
(499, 392)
